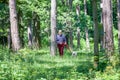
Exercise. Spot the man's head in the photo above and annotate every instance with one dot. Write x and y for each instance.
(60, 32)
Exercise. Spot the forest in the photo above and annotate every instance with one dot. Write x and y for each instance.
(31, 47)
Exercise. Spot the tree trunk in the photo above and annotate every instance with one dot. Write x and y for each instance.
(86, 28)
(70, 23)
(78, 10)
(107, 23)
(9, 38)
(78, 29)
(36, 32)
(78, 37)
(53, 28)
(118, 13)
(30, 37)
(95, 19)
(87, 39)
(101, 35)
(102, 19)
(71, 38)
(14, 26)
(85, 7)
(38, 37)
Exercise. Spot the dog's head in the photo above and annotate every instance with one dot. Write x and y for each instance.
(74, 53)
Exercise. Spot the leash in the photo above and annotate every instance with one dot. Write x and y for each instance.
(69, 48)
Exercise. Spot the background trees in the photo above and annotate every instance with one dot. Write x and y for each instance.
(74, 17)
(29, 27)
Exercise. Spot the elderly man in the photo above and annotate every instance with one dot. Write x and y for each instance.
(61, 42)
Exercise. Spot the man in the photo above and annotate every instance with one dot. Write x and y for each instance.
(61, 42)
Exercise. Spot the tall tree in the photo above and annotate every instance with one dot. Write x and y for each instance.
(118, 13)
(86, 28)
(30, 35)
(78, 29)
(102, 20)
(53, 28)
(70, 24)
(108, 29)
(14, 26)
(9, 38)
(36, 31)
(95, 19)
(78, 37)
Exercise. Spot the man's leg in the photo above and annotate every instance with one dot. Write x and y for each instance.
(62, 49)
(59, 48)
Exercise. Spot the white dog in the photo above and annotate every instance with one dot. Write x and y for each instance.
(74, 53)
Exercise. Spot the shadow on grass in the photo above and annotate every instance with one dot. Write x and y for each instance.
(65, 71)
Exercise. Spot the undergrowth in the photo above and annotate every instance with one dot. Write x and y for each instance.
(40, 65)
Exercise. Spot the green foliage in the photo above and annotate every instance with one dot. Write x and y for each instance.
(39, 65)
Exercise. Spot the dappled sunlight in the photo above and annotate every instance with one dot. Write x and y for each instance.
(33, 64)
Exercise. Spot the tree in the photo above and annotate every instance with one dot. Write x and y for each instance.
(36, 31)
(70, 24)
(108, 29)
(95, 20)
(86, 28)
(78, 37)
(9, 38)
(118, 12)
(53, 28)
(30, 35)
(78, 29)
(14, 26)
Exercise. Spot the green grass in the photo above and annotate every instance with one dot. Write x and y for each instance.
(40, 65)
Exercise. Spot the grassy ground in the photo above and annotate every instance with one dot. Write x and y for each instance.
(40, 65)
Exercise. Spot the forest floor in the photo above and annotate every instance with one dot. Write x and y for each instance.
(40, 65)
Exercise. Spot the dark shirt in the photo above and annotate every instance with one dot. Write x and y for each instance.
(60, 39)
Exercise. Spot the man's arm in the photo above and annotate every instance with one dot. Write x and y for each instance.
(64, 39)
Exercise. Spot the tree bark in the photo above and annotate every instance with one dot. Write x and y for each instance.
(96, 50)
(78, 29)
(78, 10)
(71, 38)
(86, 28)
(14, 26)
(53, 28)
(85, 7)
(37, 36)
(9, 38)
(107, 23)
(118, 13)
(30, 37)
(87, 39)
(78, 37)
(36, 31)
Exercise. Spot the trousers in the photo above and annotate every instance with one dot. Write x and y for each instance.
(61, 48)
